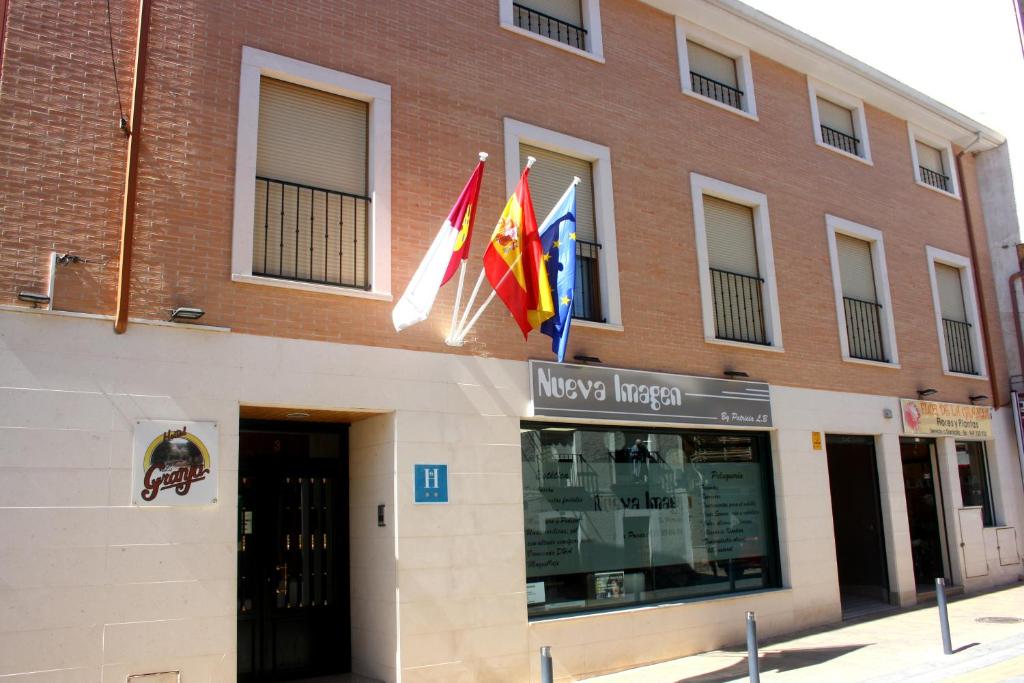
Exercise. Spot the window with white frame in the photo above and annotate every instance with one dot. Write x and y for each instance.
(559, 158)
(312, 184)
(715, 69)
(861, 285)
(933, 163)
(839, 121)
(956, 313)
(569, 24)
(739, 297)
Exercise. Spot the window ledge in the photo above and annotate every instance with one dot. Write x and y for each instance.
(310, 287)
(553, 43)
(608, 327)
(744, 345)
(872, 363)
(964, 375)
(939, 190)
(840, 152)
(721, 105)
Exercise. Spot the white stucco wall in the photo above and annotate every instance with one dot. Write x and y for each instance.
(94, 589)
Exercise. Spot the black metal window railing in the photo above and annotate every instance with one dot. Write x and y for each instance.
(840, 140)
(864, 329)
(310, 234)
(586, 299)
(708, 87)
(934, 178)
(739, 307)
(959, 351)
(549, 26)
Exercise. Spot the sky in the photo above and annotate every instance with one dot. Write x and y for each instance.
(964, 53)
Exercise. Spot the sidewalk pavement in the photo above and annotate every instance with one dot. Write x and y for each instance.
(898, 647)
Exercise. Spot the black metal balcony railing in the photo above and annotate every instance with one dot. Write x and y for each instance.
(586, 300)
(959, 352)
(310, 234)
(549, 26)
(864, 329)
(708, 87)
(840, 140)
(739, 308)
(934, 178)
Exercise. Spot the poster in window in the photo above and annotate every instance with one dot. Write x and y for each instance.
(609, 585)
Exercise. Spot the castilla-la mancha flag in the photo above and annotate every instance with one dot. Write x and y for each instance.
(514, 261)
(449, 248)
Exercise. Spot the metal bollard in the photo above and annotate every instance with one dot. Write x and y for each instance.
(546, 673)
(752, 665)
(940, 595)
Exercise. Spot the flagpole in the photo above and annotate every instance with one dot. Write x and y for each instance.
(460, 337)
(462, 280)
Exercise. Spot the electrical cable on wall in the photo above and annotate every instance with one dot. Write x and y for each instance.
(113, 63)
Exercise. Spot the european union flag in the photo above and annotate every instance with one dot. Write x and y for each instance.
(558, 240)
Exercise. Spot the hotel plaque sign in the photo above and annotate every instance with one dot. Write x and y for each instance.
(585, 391)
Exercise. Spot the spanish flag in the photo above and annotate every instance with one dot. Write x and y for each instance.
(514, 261)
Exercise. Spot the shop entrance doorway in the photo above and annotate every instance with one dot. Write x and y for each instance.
(293, 585)
(857, 522)
(924, 511)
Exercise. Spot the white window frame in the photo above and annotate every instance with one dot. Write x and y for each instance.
(963, 264)
(836, 225)
(257, 63)
(817, 89)
(590, 14)
(702, 185)
(599, 156)
(739, 53)
(945, 149)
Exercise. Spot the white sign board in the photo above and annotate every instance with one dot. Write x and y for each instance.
(174, 463)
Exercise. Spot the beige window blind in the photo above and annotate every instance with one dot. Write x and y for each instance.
(566, 10)
(929, 157)
(730, 234)
(711, 64)
(551, 176)
(856, 270)
(311, 137)
(835, 117)
(951, 293)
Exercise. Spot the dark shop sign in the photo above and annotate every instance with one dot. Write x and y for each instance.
(586, 391)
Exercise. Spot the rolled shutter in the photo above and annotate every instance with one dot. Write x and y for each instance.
(566, 10)
(930, 158)
(856, 270)
(551, 176)
(711, 64)
(311, 137)
(951, 293)
(835, 117)
(730, 234)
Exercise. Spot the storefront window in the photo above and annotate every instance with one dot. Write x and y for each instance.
(971, 462)
(618, 517)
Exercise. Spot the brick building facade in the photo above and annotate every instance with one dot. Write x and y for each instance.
(440, 593)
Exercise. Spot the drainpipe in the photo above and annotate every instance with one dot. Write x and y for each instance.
(983, 317)
(133, 131)
(1014, 279)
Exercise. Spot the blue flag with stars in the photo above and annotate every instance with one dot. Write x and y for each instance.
(558, 241)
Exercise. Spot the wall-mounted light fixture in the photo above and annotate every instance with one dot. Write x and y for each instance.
(921, 393)
(182, 313)
(979, 397)
(34, 298)
(586, 359)
(733, 374)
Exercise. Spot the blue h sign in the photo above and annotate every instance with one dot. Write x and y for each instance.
(431, 483)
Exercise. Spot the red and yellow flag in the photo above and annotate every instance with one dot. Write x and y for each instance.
(514, 261)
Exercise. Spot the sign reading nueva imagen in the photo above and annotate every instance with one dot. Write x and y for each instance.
(583, 391)
(932, 418)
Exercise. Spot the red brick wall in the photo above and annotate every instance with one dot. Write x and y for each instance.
(454, 76)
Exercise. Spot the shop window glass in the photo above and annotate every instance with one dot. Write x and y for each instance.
(623, 516)
(973, 468)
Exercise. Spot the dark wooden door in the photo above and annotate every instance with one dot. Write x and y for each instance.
(923, 492)
(293, 606)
